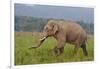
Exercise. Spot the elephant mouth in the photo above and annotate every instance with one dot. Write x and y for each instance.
(43, 38)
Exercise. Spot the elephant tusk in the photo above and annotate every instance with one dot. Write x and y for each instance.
(43, 38)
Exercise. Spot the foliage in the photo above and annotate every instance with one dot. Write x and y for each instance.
(25, 23)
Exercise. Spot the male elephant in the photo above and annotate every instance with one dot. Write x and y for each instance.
(65, 32)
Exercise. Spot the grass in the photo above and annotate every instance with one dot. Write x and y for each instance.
(44, 54)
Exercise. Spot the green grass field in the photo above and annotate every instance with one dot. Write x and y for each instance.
(44, 54)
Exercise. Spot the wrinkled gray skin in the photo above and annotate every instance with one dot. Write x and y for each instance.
(65, 32)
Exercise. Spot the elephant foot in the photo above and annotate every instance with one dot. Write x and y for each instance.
(57, 51)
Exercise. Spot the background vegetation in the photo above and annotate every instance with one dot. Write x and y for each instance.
(44, 54)
(26, 23)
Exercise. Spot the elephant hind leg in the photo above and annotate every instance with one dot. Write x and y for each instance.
(83, 46)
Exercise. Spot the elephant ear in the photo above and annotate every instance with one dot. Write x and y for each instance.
(55, 28)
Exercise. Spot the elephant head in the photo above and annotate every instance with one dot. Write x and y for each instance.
(50, 29)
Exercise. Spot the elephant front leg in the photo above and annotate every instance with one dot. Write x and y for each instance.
(56, 51)
(76, 50)
(59, 48)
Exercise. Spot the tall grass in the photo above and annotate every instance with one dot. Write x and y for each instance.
(44, 54)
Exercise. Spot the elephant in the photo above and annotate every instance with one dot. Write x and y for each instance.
(65, 32)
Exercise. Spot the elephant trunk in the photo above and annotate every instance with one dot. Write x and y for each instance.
(40, 41)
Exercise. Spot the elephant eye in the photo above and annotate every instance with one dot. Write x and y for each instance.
(47, 31)
(48, 28)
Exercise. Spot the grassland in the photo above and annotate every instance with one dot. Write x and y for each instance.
(44, 54)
